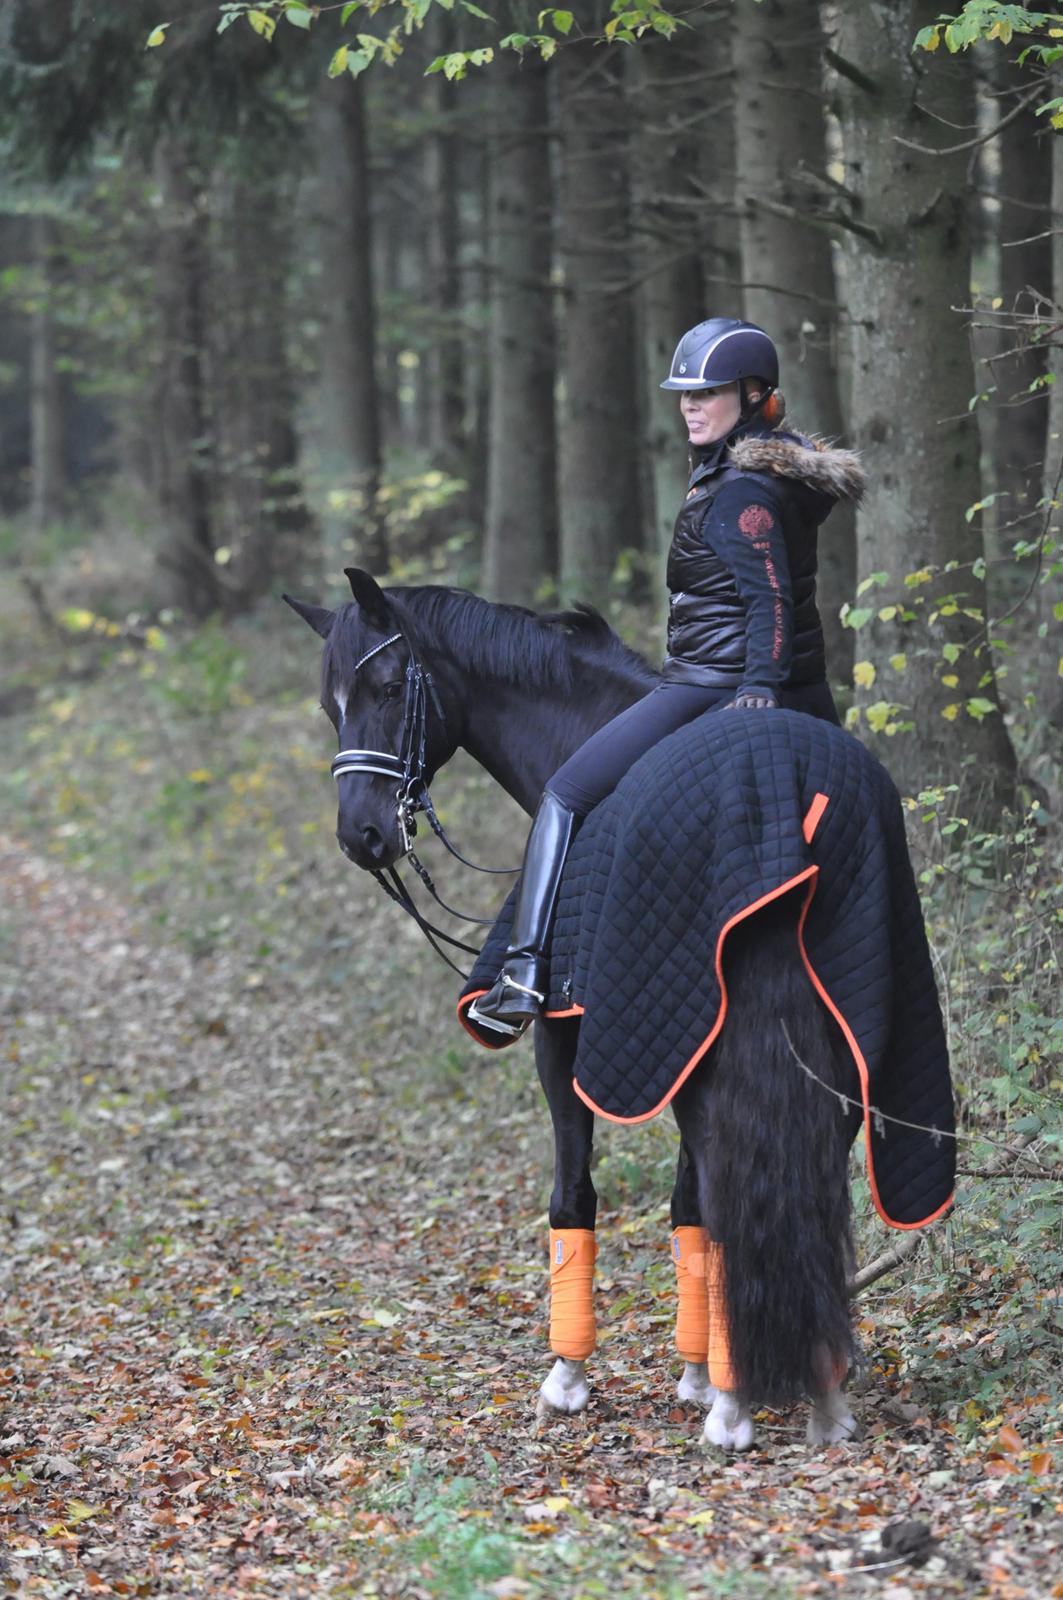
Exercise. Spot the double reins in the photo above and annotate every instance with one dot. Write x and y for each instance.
(412, 796)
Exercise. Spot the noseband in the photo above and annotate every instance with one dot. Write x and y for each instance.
(411, 795)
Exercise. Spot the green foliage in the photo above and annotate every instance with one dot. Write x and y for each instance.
(987, 20)
(629, 21)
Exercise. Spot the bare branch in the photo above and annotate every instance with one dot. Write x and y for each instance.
(906, 1246)
(848, 69)
(983, 138)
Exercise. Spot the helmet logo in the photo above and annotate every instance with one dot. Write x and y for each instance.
(682, 366)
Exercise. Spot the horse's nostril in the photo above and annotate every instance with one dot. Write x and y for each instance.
(373, 840)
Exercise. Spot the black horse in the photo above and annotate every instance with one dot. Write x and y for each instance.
(410, 675)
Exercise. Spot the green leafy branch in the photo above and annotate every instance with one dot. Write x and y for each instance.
(987, 20)
(629, 21)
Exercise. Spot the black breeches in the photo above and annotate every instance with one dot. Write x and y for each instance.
(598, 766)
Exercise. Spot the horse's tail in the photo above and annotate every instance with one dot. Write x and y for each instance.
(776, 1170)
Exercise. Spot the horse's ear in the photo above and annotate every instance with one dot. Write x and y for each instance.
(320, 618)
(370, 596)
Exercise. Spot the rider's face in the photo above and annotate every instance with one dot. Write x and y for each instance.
(710, 414)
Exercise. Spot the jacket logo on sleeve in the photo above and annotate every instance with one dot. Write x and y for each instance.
(756, 521)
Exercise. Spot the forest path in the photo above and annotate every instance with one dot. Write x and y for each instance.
(272, 1323)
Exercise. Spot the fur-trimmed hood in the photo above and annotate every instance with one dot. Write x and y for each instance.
(807, 460)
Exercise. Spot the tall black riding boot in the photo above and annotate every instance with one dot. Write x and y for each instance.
(519, 992)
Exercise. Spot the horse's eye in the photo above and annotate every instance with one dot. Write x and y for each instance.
(390, 691)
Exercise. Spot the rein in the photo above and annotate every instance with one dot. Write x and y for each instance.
(411, 796)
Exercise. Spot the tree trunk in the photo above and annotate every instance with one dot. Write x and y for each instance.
(781, 160)
(520, 536)
(353, 527)
(912, 379)
(48, 412)
(266, 529)
(1049, 592)
(442, 379)
(599, 481)
(1023, 282)
(186, 553)
(669, 212)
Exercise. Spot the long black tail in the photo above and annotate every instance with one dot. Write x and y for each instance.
(776, 1174)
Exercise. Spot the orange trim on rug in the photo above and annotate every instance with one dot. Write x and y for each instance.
(573, 1011)
(865, 1088)
(814, 815)
(808, 874)
(467, 1000)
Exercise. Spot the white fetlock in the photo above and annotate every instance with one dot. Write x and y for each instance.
(694, 1385)
(565, 1389)
(830, 1421)
(729, 1425)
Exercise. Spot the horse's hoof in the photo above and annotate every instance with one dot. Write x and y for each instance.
(694, 1386)
(729, 1425)
(830, 1421)
(565, 1391)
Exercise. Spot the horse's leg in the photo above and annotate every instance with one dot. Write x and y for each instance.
(830, 1420)
(573, 1210)
(688, 1257)
(729, 1423)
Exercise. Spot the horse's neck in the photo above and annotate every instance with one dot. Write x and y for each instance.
(521, 736)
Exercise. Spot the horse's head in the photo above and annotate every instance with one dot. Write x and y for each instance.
(392, 731)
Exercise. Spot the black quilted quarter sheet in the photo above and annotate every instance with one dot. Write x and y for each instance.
(707, 824)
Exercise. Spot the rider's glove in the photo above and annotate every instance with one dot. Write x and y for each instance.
(752, 700)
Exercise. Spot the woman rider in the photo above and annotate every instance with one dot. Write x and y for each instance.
(744, 633)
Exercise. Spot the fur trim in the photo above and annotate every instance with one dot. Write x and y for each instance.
(839, 473)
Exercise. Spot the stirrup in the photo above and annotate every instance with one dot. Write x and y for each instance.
(508, 1028)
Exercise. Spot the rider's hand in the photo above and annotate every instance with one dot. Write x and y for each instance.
(752, 700)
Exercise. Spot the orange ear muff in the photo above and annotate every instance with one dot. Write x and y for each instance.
(774, 409)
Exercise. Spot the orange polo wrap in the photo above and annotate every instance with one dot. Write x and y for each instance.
(572, 1255)
(722, 1374)
(692, 1314)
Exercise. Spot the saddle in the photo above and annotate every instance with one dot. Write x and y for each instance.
(714, 822)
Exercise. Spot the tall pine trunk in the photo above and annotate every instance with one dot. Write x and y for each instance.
(599, 480)
(186, 552)
(670, 216)
(48, 413)
(520, 537)
(1049, 592)
(780, 178)
(443, 381)
(350, 405)
(265, 523)
(908, 265)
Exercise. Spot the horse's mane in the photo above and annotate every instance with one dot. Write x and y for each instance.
(507, 643)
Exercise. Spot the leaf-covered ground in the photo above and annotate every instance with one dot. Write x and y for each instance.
(273, 1323)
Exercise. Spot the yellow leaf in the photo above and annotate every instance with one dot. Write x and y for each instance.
(556, 1503)
(78, 1511)
(950, 713)
(887, 613)
(864, 674)
(157, 36)
(200, 775)
(950, 680)
(701, 1519)
(899, 662)
(997, 301)
(62, 710)
(1061, 666)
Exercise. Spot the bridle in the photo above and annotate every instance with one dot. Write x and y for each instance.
(412, 796)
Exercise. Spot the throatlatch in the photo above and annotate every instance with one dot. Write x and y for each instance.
(689, 1247)
(573, 1333)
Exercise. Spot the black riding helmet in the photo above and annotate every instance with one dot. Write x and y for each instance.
(724, 350)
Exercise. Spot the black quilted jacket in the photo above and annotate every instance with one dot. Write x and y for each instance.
(717, 816)
(742, 564)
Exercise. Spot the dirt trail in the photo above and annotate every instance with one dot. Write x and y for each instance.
(265, 1298)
